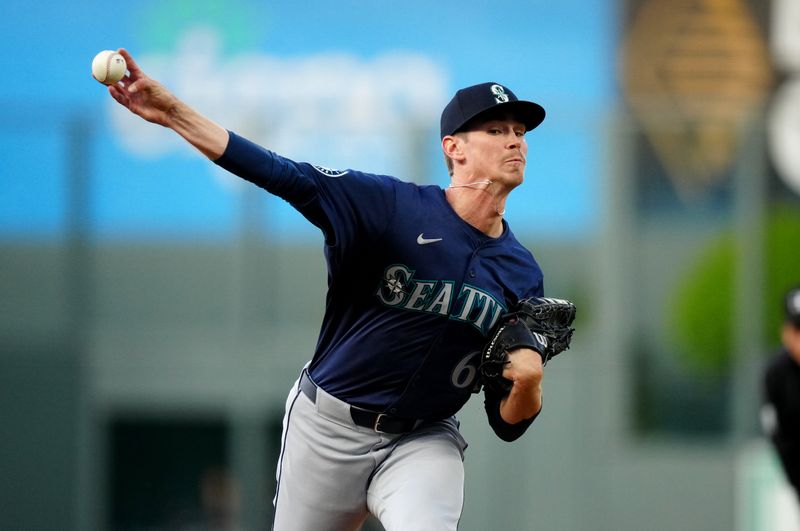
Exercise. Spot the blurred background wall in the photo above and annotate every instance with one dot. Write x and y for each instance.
(154, 311)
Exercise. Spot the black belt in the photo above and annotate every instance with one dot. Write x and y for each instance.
(380, 422)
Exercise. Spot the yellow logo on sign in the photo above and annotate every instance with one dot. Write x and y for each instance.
(694, 72)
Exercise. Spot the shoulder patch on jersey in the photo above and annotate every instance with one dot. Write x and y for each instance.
(329, 172)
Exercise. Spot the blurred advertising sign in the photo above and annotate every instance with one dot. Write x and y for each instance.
(695, 73)
(784, 115)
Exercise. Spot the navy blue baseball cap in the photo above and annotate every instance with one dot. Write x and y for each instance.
(791, 304)
(470, 102)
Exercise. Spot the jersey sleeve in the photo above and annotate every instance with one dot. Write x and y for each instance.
(504, 430)
(273, 173)
(345, 205)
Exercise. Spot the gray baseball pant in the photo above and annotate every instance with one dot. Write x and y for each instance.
(332, 473)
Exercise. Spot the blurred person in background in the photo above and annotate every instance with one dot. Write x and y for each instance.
(780, 413)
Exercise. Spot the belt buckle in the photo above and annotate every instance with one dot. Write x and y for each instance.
(377, 425)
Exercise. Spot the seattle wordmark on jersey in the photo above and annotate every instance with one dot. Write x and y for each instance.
(399, 289)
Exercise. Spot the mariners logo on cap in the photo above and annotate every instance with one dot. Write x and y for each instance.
(499, 92)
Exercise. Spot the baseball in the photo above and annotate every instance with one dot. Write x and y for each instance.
(108, 67)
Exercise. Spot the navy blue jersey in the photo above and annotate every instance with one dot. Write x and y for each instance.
(412, 288)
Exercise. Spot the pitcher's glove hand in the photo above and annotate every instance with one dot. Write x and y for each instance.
(537, 323)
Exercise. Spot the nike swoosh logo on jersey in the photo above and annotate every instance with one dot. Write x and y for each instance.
(425, 241)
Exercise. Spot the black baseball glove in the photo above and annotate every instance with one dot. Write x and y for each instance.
(538, 323)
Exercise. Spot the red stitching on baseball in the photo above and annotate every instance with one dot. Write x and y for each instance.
(108, 66)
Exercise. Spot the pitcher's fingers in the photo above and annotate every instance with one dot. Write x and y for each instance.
(137, 85)
(118, 95)
(133, 68)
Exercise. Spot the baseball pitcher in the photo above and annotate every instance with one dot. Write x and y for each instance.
(430, 299)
